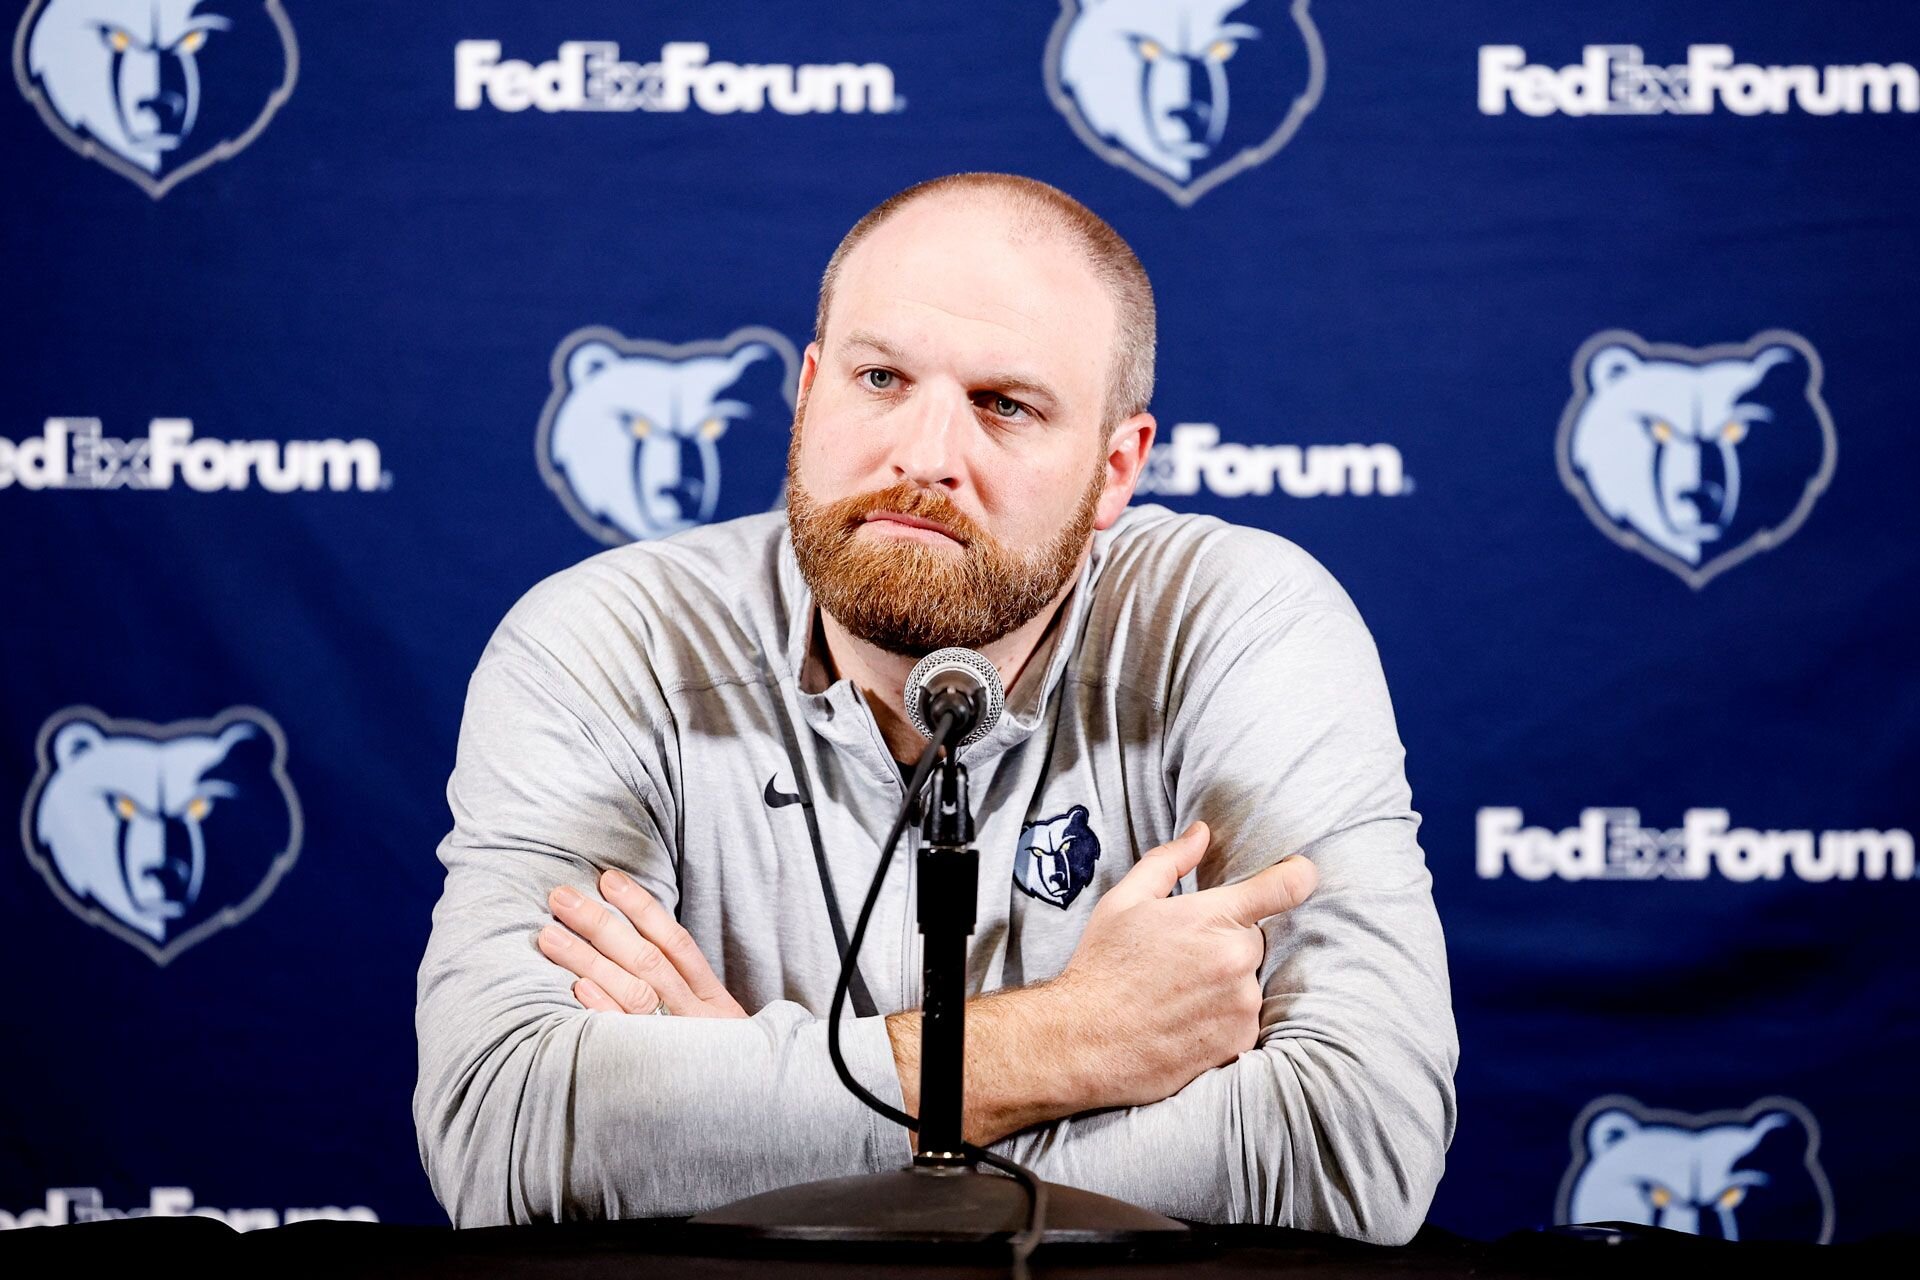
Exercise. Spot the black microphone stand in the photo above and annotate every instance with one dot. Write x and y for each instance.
(942, 1196)
(949, 875)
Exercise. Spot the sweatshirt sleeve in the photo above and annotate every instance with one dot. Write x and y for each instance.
(1339, 1119)
(528, 1107)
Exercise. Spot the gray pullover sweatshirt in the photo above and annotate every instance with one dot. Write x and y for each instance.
(663, 708)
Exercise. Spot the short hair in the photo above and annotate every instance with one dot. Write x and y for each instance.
(1130, 383)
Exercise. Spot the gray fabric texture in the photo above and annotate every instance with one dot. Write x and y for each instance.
(653, 708)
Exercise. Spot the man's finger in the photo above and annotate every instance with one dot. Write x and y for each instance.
(1281, 887)
(629, 993)
(1159, 869)
(590, 996)
(657, 925)
(610, 933)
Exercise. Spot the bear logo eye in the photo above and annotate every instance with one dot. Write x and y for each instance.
(124, 806)
(1659, 1196)
(1148, 49)
(638, 426)
(198, 808)
(1221, 50)
(1731, 1197)
(713, 428)
(192, 42)
(1661, 431)
(1734, 432)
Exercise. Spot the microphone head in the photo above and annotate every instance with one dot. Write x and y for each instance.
(959, 670)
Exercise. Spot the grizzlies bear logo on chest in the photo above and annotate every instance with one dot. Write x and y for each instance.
(1056, 856)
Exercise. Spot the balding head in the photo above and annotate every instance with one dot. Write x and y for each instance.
(1033, 210)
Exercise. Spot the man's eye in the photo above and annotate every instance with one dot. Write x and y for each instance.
(1000, 406)
(880, 379)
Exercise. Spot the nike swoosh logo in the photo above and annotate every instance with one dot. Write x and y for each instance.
(779, 799)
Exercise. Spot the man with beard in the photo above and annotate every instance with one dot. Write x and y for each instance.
(688, 751)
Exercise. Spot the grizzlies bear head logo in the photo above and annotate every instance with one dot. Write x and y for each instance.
(633, 433)
(156, 90)
(161, 835)
(1056, 856)
(1696, 458)
(1735, 1175)
(1185, 93)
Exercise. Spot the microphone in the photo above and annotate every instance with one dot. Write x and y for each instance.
(960, 682)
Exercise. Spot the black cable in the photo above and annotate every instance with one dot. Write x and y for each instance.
(1024, 1242)
(849, 961)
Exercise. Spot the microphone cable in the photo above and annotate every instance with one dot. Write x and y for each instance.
(1023, 1242)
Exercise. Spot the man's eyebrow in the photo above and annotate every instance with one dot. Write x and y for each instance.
(873, 341)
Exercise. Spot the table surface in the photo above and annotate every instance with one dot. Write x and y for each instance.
(205, 1247)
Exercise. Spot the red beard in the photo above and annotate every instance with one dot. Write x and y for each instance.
(912, 597)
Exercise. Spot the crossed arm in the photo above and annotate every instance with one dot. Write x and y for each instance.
(1159, 989)
(1329, 1108)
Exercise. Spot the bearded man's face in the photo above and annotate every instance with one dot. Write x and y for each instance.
(949, 460)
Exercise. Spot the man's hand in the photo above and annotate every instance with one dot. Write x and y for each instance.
(1163, 988)
(1158, 990)
(632, 957)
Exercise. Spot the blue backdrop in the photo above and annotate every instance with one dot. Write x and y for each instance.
(1573, 338)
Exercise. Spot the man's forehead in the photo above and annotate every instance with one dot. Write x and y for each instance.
(944, 271)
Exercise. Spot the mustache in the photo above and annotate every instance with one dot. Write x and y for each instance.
(905, 499)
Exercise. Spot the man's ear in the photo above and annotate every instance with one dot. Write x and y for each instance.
(1128, 446)
(809, 370)
(809, 366)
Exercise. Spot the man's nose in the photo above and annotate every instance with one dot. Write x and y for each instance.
(927, 442)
